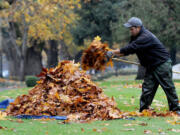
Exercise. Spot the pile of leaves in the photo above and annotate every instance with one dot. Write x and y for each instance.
(94, 57)
(66, 91)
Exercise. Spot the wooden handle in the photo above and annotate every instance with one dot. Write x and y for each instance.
(131, 62)
(125, 61)
(176, 72)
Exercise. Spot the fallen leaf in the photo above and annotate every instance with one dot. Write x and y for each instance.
(104, 129)
(129, 129)
(82, 129)
(161, 132)
(44, 122)
(132, 100)
(130, 124)
(19, 121)
(175, 121)
(2, 115)
(105, 124)
(143, 124)
(2, 127)
(174, 130)
(147, 131)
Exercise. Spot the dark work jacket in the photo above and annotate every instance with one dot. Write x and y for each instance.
(150, 51)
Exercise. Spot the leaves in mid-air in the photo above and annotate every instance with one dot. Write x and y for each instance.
(94, 57)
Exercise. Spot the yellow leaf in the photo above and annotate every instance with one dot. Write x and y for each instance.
(57, 95)
(98, 38)
(65, 98)
(2, 115)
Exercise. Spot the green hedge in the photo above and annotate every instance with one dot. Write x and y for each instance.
(31, 81)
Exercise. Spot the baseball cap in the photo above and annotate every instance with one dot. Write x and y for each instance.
(133, 21)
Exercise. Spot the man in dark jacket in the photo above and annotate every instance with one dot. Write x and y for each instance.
(155, 58)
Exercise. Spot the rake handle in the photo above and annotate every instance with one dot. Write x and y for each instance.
(125, 61)
(131, 62)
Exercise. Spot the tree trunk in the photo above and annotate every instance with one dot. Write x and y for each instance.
(14, 53)
(140, 73)
(1, 65)
(1, 55)
(11, 50)
(23, 49)
(173, 52)
(22, 68)
(51, 50)
(33, 63)
(12, 57)
(64, 54)
(14, 70)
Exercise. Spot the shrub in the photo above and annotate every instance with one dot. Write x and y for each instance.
(31, 81)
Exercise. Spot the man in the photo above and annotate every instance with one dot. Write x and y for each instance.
(154, 57)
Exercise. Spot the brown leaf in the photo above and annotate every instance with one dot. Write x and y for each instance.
(19, 121)
(147, 131)
(132, 100)
(174, 130)
(143, 124)
(2, 127)
(129, 124)
(82, 129)
(104, 129)
(3, 115)
(105, 124)
(129, 129)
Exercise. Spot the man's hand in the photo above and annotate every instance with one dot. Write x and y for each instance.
(109, 54)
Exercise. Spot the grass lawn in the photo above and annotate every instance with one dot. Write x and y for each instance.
(126, 92)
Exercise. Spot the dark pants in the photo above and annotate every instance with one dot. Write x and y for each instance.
(162, 75)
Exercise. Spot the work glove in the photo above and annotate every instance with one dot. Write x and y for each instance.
(109, 55)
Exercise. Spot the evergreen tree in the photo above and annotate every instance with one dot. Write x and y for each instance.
(96, 17)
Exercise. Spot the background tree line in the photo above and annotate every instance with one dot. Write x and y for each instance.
(61, 29)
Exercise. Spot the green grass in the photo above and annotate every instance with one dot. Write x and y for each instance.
(126, 93)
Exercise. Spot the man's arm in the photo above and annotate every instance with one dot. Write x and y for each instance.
(117, 53)
(141, 43)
